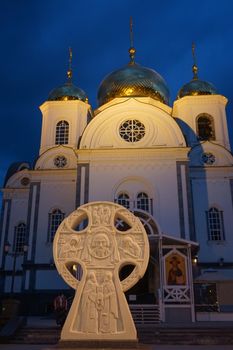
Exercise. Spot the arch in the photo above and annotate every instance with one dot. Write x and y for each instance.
(46, 159)
(160, 128)
(62, 133)
(55, 217)
(205, 127)
(19, 237)
(140, 192)
(133, 185)
(215, 224)
(223, 156)
(151, 227)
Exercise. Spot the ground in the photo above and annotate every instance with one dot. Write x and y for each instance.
(147, 347)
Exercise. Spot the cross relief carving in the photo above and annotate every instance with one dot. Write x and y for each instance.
(91, 237)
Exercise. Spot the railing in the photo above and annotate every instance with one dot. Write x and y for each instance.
(176, 294)
(161, 308)
(145, 314)
(207, 307)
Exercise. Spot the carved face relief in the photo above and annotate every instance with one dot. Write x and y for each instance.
(99, 310)
(100, 246)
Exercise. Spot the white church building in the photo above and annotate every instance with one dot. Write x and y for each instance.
(171, 165)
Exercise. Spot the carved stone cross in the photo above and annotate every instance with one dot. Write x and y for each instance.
(102, 237)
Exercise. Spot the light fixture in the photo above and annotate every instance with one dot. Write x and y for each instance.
(74, 267)
(7, 247)
(195, 259)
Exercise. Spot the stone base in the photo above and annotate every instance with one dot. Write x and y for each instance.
(95, 344)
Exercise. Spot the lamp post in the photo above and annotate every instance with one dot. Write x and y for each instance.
(14, 254)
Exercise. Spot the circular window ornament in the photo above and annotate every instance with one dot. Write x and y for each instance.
(25, 181)
(132, 130)
(60, 161)
(208, 158)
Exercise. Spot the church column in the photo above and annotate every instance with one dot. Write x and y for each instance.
(4, 231)
(161, 276)
(32, 223)
(231, 189)
(190, 273)
(82, 192)
(185, 202)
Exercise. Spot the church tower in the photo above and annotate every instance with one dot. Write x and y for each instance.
(63, 123)
(200, 111)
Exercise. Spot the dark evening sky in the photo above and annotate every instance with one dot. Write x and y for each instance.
(36, 34)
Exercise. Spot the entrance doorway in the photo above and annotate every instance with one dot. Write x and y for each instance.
(145, 291)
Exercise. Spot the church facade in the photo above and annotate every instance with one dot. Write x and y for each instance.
(170, 165)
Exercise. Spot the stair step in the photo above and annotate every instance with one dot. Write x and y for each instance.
(148, 334)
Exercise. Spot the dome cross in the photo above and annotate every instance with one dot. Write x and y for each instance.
(70, 71)
(194, 68)
(132, 49)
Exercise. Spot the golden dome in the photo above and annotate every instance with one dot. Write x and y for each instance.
(197, 87)
(67, 92)
(133, 80)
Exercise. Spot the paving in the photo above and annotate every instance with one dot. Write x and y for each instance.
(144, 347)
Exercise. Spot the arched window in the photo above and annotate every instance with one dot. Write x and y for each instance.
(19, 237)
(62, 133)
(55, 218)
(205, 127)
(123, 199)
(143, 201)
(215, 225)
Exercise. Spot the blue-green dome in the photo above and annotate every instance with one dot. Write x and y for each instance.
(133, 80)
(197, 87)
(67, 92)
(14, 168)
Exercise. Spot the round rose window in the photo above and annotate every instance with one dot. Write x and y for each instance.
(132, 130)
(60, 161)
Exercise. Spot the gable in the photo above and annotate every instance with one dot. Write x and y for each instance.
(132, 124)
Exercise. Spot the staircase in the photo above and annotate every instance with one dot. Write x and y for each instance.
(186, 335)
(145, 314)
(147, 334)
(35, 335)
(149, 329)
(142, 315)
